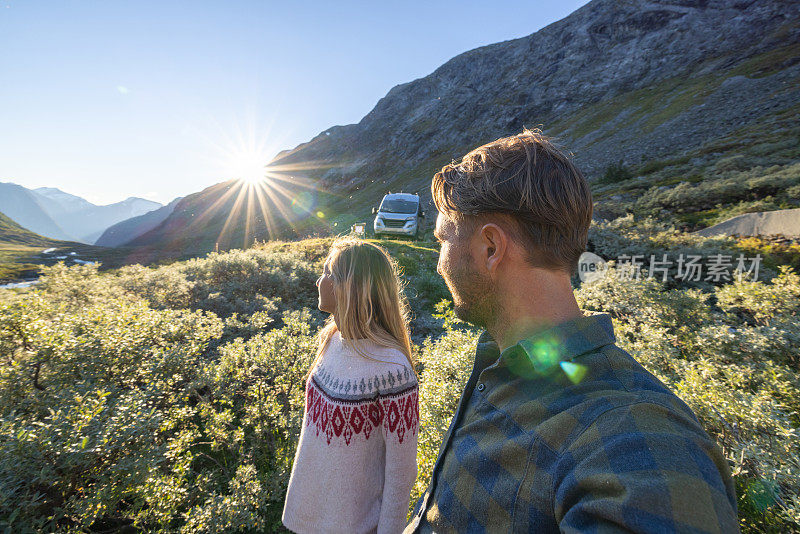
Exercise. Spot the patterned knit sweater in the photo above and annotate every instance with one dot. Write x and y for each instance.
(357, 456)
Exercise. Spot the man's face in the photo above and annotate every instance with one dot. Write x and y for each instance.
(473, 291)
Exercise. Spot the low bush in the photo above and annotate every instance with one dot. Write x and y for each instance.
(727, 185)
(170, 399)
(446, 363)
(616, 172)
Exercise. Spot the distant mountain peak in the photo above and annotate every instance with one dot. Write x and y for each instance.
(68, 201)
(50, 191)
(125, 231)
(140, 199)
(27, 208)
(61, 215)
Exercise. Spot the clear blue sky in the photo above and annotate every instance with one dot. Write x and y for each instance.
(111, 99)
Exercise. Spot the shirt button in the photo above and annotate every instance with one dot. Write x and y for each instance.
(481, 387)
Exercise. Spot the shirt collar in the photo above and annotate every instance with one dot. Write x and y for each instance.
(562, 342)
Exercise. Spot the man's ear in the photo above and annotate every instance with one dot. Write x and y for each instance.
(493, 243)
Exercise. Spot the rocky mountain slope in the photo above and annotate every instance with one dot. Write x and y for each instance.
(764, 223)
(629, 80)
(666, 90)
(228, 215)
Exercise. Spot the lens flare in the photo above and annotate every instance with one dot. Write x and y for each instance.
(544, 353)
(263, 196)
(574, 371)
(303, 203)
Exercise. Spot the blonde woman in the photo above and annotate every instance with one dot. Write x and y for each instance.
(356, 458)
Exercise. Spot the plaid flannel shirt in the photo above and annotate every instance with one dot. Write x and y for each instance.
(566, 431)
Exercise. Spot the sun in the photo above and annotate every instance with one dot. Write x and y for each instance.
(270, 194)
(248, 166)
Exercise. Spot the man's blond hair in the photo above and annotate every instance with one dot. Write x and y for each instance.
(529, 186)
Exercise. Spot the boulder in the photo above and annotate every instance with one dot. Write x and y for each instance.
(761, 223)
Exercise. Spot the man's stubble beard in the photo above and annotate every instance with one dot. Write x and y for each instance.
(474, 296)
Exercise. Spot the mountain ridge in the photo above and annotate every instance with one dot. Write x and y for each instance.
(124, 231)
(53, 213)
(483, 102)
(639, 84)
(12, 233)
(232, 214)
(24, 207)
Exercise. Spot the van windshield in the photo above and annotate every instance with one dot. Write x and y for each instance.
(396, 205)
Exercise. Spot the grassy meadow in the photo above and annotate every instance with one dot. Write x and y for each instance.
(170, 398)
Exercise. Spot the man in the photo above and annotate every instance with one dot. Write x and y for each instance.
(557, 427)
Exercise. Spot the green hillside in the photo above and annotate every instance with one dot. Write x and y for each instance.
(22, 252)
(755, 168)
(12, 234)
(169, 398)
(234, 214)
(752, 168)
(17, 245)
(732, 108)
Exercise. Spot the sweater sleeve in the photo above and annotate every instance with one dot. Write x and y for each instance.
(401, 422)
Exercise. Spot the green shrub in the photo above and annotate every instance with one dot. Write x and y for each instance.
(446, 363)
(649, 239)
(245, 281)
(774, 253)
(84, 393)
(170, 399)
(251, 409)
(729, 185)
(128, 415)
(738, 162)
(758, 303)
(239, 281)
(615, 173)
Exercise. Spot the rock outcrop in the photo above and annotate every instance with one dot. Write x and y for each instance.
(762, 223)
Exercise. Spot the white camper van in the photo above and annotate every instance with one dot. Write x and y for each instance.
(399, 214)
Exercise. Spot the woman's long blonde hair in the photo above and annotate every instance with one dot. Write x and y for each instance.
(369, 299)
